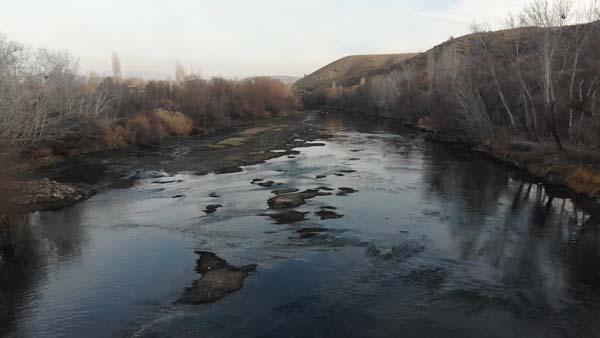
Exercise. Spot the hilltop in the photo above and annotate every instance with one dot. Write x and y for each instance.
(349, 70)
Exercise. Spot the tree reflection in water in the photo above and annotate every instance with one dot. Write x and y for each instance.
(27, 250)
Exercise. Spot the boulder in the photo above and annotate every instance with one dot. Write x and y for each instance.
(328, 214)
(218, 280)
(286, 201)
(343, 191)
(210, 209)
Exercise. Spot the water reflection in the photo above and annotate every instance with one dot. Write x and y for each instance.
(20, 271)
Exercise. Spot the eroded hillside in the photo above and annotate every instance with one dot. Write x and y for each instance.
(349, 71)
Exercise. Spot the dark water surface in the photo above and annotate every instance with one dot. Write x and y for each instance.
(436, 243)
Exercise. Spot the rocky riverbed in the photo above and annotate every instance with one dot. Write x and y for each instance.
(73, 181)
(44, 194)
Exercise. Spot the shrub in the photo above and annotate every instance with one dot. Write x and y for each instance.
(151, 128)
(583, 180)
(175, 123)
(114, 137)
(138, 130)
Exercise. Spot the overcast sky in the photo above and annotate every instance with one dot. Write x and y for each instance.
(239, 38)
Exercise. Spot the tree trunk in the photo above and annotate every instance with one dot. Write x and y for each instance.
(554, 127)
(533, 111)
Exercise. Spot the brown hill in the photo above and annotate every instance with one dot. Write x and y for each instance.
(349, 71)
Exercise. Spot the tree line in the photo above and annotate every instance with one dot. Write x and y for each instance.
(537, 79)
(46, 102)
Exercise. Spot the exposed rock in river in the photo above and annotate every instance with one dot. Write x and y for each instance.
(218, 280)
(327, 214)
(287, 217)
(311, 144)
(310, 232)
(167, 182)
(210, 209)
(284, 191)
(228, 170)
(287, 201)
(267, 184)
(343, 191)
(49, 195)
(312, 193)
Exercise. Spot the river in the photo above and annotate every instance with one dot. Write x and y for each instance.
(437, 242)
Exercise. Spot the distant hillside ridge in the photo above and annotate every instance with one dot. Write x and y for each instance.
(349, 71)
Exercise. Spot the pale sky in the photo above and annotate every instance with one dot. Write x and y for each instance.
(239, 38)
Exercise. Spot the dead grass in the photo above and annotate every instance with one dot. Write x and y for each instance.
(583, 180)
(577, 169)
(112, 136)
(349, 69)
(151, 128)
(174, 123)
(233, 141)
(139, 130)
(254, 131)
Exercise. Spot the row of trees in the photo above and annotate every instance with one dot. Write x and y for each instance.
(537, 79)
(44, 100)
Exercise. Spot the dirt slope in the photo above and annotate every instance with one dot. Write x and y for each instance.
(349, 71)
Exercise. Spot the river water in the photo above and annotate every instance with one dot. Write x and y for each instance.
(437, 242)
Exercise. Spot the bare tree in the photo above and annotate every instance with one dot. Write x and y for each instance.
(483, 55)
(43, 98)
(585, 17)
(472, 113)
(514, 53)
(547, 20)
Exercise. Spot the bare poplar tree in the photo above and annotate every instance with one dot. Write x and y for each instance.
(179, 73)
(117, 71)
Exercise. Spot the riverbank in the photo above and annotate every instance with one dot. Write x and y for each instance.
(575, 170)
(60, 183)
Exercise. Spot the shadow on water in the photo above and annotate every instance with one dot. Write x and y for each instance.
(435, 242)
